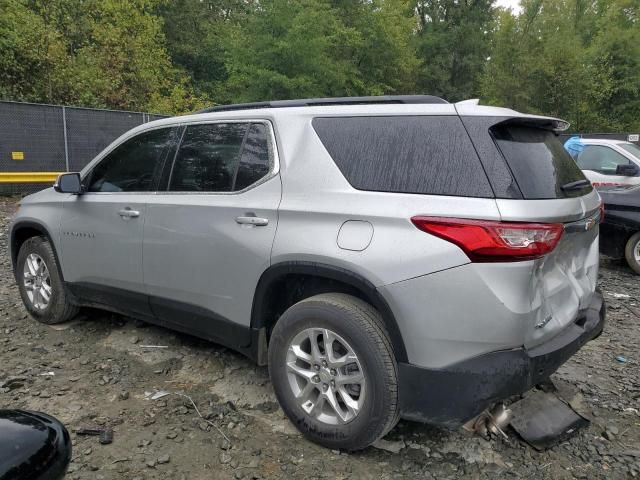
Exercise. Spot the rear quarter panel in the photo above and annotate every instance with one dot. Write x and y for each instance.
(317, 200)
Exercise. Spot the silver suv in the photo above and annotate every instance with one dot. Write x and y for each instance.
(387, 257)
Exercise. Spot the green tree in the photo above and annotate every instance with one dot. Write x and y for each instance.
(616, 50)
(576, 59)
(453, 42)
(97, 53)
(32, 55)
(196, 33)
(385, 56)
(125, 64)
(541, 62)
(309, 48)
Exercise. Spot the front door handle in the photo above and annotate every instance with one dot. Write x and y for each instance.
(255, 221)
(128, 213)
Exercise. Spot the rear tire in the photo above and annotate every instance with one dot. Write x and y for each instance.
(353, 400)
(40, 283)
(632, 252)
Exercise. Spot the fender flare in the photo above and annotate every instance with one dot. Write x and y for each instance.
(33, 225)
(330, 272)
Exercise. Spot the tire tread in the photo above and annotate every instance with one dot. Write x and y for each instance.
(369, 321)
(342, 300)
(62, 309)
(629, 254)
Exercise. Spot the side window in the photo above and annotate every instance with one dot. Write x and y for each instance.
(133, 165)
(220, 157)
(407, 154)
(254, 162)
(601, 159)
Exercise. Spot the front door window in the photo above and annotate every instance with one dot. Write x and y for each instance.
(134, 165)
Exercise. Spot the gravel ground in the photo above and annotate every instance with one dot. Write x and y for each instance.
(103, 374)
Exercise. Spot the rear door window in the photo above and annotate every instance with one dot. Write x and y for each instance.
(539, 163)
(220, 157)
(254, 160)
(405, 154)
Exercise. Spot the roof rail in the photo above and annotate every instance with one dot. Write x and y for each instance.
(311, 102)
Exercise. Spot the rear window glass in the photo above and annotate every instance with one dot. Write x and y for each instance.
(405, 154)
(539, 163)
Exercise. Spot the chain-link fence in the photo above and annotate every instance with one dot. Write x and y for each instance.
(36, 138)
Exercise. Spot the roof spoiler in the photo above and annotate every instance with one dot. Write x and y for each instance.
(546, 123)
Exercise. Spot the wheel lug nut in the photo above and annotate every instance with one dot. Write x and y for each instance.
(333, 372)
(324, 363)
(316, 367)
(324, 387)
(333, 383)
(316, 379)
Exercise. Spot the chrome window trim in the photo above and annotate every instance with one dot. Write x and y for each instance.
(274, 159)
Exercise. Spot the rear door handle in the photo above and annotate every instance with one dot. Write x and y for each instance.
(255, 221)
(128, 213)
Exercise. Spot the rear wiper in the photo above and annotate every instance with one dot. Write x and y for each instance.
(577, 185)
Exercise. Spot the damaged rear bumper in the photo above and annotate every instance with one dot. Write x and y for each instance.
(453, 395)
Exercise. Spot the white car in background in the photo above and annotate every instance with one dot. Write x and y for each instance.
(610, 162)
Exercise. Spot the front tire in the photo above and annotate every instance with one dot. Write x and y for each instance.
(40, 283)
(632, 252)
(334, 372)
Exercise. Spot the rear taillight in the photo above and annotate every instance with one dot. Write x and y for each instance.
(491, 241)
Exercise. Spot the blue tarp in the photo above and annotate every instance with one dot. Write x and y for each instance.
(574, 146)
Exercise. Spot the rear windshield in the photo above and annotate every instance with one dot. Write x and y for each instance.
(539, 163)
(405, 154)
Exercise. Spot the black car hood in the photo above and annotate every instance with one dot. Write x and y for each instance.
(33, 446)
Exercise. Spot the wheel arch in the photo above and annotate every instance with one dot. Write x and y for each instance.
(22, 231)
(322, 278)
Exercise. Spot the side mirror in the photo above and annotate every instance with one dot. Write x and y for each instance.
(628, 170)
(69, 183)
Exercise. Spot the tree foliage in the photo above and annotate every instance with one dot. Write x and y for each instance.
(576, 59)
(99, 53)
(307, 48)
(570, 58)
(453, 41)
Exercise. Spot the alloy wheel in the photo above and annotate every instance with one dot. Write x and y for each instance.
(37, 281)
(325, 376)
